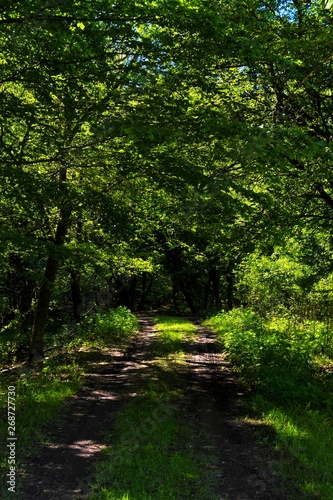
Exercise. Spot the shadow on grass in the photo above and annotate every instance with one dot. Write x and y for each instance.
(307, 436)
(127, 418)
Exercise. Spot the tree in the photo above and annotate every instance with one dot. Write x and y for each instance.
(69, 112)
(158, 143)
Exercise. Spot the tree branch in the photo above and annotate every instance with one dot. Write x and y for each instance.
(34, 18)
(323, 194)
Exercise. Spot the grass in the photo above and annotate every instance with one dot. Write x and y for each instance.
(288, 366)
(39, 397)
(308, 437)
(150, 455)
(173, 334)
(149, 458)
(42, 390)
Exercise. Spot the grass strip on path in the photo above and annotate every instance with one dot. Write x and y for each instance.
(150, 456)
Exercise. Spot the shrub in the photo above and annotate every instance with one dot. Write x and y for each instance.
(115, 325)
(276, 356)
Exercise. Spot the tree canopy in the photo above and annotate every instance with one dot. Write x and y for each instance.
(151, 152)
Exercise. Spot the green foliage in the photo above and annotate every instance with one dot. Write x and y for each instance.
(105, 328)
(269, 282)
(293, 280)
(192, 135)
(289, 366)
(277, 356)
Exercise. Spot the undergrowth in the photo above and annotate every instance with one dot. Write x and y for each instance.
(95, 329)
(105, 328)
(42, 389)
(289, 367)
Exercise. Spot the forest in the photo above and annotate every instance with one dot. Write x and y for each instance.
(172, 156)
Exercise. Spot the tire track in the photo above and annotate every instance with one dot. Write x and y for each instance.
(242, 469)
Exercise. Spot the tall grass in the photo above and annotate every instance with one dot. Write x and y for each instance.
(289, 367)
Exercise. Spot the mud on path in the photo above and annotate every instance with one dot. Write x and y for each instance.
(241, 468)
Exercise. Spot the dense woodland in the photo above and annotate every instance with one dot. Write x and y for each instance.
(168, 154)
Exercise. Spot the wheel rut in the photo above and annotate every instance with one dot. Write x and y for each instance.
(242, 469)
(62, 468)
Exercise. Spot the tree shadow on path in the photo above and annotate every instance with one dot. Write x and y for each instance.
(62, 468)
(240, 468)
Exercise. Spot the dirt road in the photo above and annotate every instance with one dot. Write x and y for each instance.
(242, 469)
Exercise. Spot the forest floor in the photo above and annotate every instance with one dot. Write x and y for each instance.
(213, 408)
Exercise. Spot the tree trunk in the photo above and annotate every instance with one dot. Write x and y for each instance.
(174, 293)
(132, 292)
(187, 296)
(151, 281)
(207, 292)
(145, 290)
(45, 292)
(216, 287)
(230, 288)
(122, 290)
(76, 294)
(42, 309)
(18, 287)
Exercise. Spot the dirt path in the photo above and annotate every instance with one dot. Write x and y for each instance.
(242, 469)
(62, 469)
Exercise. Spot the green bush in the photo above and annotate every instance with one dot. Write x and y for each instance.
(269, 282)
(280, 359)
(115, 325)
